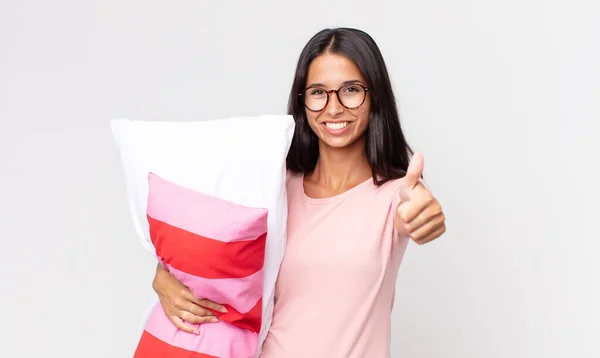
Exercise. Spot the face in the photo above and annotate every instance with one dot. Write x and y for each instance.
(335, 125)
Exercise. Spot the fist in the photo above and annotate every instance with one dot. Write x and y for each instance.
(418, 215)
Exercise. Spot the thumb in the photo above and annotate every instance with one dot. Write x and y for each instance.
(414, 171)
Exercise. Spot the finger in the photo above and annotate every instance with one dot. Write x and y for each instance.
(434, 235)
(197, 319)
(212, 305)
(196, 310)
(430, 211)
(179, 324)
(414, 171)
(432, 224)
(189, 296)
(409, 210)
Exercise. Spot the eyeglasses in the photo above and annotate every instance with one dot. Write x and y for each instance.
(350, 96)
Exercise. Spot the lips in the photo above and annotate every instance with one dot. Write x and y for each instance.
(337, 125)
(337, 128)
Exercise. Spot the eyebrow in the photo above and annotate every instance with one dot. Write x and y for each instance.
(345, 83)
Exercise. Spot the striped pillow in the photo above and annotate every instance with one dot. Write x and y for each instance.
(216, 248)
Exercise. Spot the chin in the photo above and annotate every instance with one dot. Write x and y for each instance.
(338, 143)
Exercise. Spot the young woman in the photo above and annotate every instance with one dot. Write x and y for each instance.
(354, 202)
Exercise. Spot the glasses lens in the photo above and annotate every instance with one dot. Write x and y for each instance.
(352, 96)
(315, 99)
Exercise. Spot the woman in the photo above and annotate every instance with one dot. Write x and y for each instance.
(354, 202)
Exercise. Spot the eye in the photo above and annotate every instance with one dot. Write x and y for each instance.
(316, 92)
(352, 89)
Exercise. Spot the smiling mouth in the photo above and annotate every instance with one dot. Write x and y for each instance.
(336, 126)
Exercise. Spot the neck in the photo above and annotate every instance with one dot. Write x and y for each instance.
(339, 167)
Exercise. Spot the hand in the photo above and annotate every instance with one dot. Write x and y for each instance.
(180, 305)
(419, 214)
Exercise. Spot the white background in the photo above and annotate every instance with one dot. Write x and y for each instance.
(502, 97)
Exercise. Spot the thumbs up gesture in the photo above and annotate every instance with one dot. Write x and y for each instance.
(418, 215)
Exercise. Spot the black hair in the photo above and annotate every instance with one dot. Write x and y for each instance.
(386, 148)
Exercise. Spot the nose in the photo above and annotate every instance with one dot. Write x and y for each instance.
(334, 107)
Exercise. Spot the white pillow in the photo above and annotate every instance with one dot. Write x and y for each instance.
(236, 159)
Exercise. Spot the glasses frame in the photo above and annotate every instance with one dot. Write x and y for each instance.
(328, 92)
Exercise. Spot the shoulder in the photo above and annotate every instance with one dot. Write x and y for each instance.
(390, 187)
(290, 175)
(375, 196)
(389, 193)
(292, 178)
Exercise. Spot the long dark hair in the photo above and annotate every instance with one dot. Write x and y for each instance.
(386, 148)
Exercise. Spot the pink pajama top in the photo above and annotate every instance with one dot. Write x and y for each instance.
(335, 289)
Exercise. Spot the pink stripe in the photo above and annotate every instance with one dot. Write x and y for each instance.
(240, 293)
(202, 214)
(219, 339)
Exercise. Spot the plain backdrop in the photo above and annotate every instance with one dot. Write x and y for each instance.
(502, 97)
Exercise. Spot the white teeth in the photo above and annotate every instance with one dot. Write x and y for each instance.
(336, 126)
